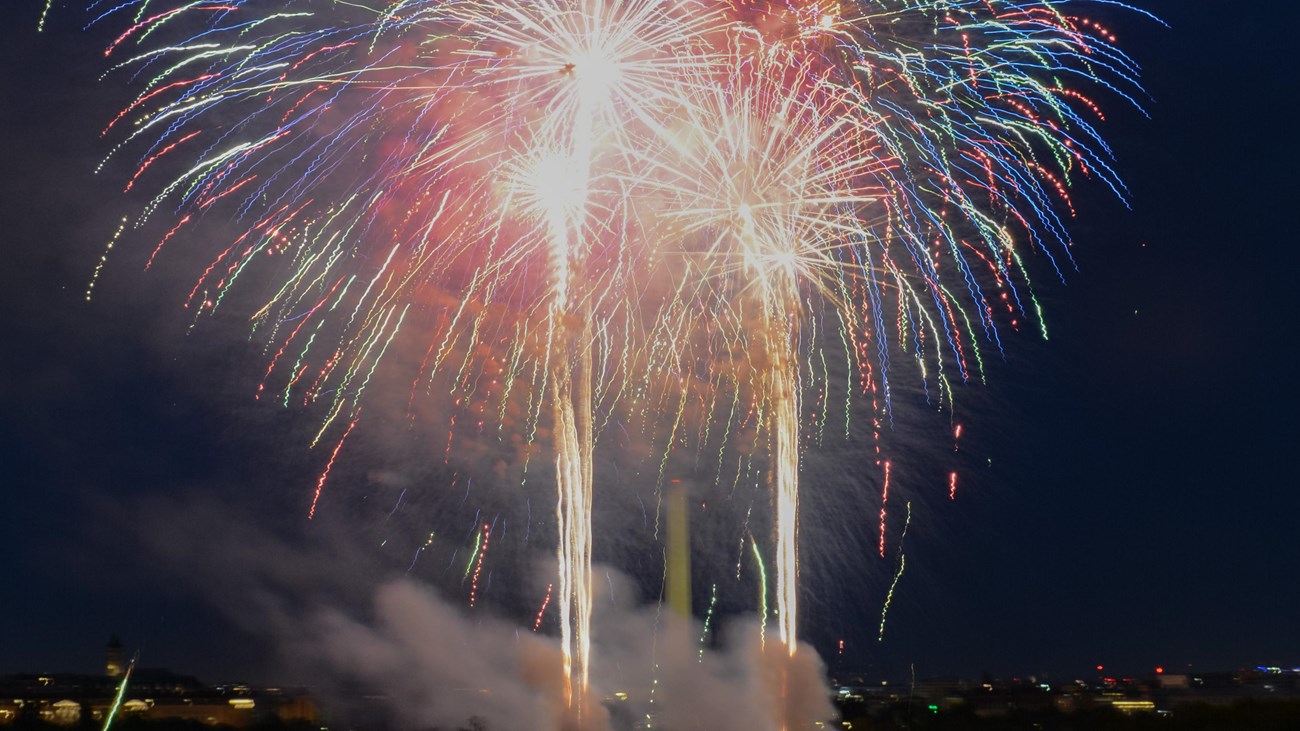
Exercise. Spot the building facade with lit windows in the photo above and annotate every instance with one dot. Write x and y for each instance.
(70, 699)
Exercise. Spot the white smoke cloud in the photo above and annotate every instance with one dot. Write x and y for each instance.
(439, 666)
(354, 628)
(436, 666)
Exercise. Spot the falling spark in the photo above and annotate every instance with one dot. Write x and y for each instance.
(708, 620)
(902, 564)
(103, 260)
(473, 554)
(762, 593)
(542, 612)
(478, 566)
(884, 501)
(320, 484)
(40, 26)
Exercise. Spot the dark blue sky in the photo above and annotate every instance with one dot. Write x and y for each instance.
(1128, 495)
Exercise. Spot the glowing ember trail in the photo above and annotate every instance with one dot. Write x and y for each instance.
(121, 693)
(541, 612)
(478, 564)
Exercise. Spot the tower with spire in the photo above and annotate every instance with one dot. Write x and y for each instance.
(679, 549)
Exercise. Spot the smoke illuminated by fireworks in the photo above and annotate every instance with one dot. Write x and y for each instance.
(732, 223)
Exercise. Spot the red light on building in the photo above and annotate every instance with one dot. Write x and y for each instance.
(1159, 670)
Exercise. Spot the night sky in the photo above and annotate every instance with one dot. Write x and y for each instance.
(1127, 496)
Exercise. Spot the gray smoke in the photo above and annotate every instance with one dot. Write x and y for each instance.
(438, 666)
(355, 629)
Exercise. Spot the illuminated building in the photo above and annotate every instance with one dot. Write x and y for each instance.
(69, 699)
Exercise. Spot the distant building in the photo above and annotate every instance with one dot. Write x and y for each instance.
(151, 693)
(1160, 694)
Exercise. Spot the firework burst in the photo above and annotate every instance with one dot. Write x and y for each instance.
(681, 210)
